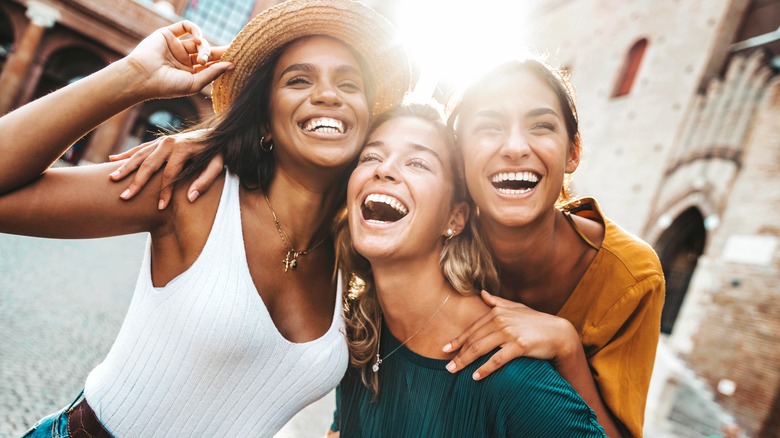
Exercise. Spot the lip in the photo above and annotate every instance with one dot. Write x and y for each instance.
(325, 135)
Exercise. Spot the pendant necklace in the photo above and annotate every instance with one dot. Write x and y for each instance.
(379, 360)
(291, 259)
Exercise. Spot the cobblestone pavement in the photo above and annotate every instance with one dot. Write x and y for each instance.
(61, 305)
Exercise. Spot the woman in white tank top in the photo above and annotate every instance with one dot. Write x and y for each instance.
(235, 322)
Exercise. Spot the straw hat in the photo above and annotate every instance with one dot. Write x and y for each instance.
(360, 27)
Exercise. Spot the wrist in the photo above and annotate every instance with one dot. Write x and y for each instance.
(569, 343)
(130, 80)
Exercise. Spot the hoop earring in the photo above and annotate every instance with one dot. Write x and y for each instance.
(262, 147)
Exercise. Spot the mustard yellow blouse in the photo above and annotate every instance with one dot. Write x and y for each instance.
(616, 308)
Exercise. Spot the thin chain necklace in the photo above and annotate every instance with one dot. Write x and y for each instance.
(291, 259)
(379, 360)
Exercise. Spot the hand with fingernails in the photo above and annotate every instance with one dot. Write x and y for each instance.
(517, 330)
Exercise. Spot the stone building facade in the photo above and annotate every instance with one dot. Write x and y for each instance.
(45, 45)
(679, 105)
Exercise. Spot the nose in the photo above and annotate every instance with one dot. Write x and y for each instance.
(325, 93)
(386, 170)
(515, 146)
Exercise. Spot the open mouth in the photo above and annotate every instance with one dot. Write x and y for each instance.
(515, 183)
(383, 208)
(324, 125)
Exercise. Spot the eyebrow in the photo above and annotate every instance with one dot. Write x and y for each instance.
(414, 146)
(493, 114)
(308, 68)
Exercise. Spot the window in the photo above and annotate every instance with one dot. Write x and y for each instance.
(630, 68)
(220, 20)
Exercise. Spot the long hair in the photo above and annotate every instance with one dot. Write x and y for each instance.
(559, 83)
(465, 259)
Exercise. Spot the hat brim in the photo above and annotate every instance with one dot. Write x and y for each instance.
(364, 30)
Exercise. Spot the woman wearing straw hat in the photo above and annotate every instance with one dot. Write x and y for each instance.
(235, 322)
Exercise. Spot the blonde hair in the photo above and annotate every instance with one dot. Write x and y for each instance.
(465, 259)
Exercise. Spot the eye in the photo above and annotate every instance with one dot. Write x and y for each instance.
(352, 86)
(545, 126)
(419, 163)
(298, 80)
(368, 157)
(487, 128)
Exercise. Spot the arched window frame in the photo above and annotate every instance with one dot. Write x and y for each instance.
(630, 68)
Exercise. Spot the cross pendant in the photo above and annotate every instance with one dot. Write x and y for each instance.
(290, 260)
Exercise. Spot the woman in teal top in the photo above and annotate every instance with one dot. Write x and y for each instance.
(414, 263)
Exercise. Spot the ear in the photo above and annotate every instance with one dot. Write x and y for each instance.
(573, 159)
(459, 217)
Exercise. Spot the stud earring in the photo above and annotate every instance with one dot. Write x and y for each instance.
(450, 234)
(262, 146)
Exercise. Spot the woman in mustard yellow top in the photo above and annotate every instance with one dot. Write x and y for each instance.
(592, 293)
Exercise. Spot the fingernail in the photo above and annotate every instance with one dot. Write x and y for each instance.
(161, 205)
(476, 376)
(125, 194)
(450, 366)
(447, 348)
(114, 174)
(193, 195)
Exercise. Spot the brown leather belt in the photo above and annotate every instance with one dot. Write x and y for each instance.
(83, 423)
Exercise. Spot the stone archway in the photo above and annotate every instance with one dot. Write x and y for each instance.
(679, 248)
(64, 67)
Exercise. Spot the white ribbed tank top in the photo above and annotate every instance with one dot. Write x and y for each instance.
(202, 357)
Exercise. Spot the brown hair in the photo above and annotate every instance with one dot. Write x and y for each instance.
(557, 80)
(465, 259)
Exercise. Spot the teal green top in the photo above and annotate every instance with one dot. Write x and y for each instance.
(418, 397)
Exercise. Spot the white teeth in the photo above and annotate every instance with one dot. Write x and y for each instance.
(389, 200)
(515, 176)
(325, 125)
(513, 191)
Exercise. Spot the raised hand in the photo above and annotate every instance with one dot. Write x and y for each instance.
(518, 331)
(172, 65)
(171, 151)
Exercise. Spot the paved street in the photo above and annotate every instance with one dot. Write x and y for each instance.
(61, 305)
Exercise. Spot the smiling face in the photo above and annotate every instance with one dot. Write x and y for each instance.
(516, 149)
(400, 196)
(319, 106)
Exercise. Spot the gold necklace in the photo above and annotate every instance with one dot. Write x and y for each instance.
(291, 259)
(379, 360)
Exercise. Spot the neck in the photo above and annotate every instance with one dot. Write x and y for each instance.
(305, 211)
(408, 293)
(412, 291)
(526, 255)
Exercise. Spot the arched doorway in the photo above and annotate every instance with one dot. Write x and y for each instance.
(6, 38)
(64, 67)
(679, 248)
(160, 116)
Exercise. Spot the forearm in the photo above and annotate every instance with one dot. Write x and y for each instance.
(35, 135)
(573, 366)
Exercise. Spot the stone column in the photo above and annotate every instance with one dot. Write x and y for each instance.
(42, 16)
